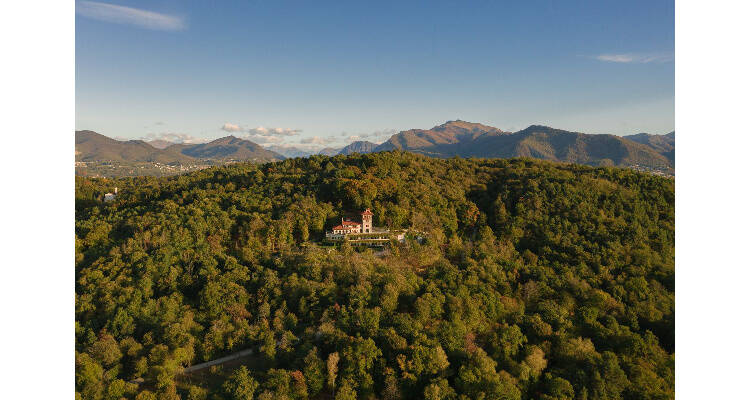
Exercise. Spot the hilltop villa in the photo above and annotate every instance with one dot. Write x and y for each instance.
(348, 227)
(362, 232)
(110, 196)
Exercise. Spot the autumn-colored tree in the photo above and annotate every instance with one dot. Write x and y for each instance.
(332, 365)
(517, 278)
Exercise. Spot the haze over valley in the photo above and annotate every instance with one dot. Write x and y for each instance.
(97, 154)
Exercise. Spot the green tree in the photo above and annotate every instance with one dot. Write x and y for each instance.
(314, 372)
(478, 379)
(240, 385)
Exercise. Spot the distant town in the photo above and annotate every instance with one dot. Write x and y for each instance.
(114, 169)
(667, 173)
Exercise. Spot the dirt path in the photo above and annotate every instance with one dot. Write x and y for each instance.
(198, 367)
(207, 364)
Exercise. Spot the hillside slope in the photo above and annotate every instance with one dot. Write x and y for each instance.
(329, 151)
(227, 148)
(564, 146)
(663, 144)
(451, 132)
(464, 139)
(522, 279)
(361, 146)
(92, 146)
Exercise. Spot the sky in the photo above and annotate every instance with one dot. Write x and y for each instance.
(313, 74)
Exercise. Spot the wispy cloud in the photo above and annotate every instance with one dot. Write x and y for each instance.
(318, 140)
(274, 131)
(130, 16)
(636, 58)
(174, 137)
(376, 137)
(264, 139)
(260, 131)
(313, 148)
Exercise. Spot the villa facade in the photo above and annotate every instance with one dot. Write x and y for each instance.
(347, 226)
(362, 232)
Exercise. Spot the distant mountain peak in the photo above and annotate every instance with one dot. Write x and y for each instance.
(227, 140)
(539, 128)
(160, 143)
(360, 146)
(329, 151)
(91, 146)
(460, 124)
(450, 132)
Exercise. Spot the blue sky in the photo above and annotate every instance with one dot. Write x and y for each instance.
(325, 73)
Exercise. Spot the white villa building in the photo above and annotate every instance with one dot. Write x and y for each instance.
(362, 232)
(110, 196)
(348, 227)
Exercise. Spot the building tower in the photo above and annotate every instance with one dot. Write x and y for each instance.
(366, 221)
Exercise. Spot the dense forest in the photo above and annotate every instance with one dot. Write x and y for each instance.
(535, 280)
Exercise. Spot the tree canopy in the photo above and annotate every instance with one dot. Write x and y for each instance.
(533, 280)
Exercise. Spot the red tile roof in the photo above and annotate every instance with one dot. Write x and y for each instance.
(347, 225)
(367, 212)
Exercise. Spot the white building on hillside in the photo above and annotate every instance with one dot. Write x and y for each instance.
(348, 227)
(110, 196)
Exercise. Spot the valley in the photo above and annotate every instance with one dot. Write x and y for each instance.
(98, 155)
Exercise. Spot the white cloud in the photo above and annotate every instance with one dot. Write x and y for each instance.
(317, 140)
(264, 139)
(231, 127)
(302, 146)
(261, 131)
(174, 137)
(375, 137)
(381, 136)
(280, 145)
(274, 131)
(635, 58)
(130, 16)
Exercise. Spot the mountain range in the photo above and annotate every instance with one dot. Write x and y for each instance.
(449, 133)
(329, 151)
(664, 144)
(467, 139)
(92, 146)
(227, 148)
(451, 139)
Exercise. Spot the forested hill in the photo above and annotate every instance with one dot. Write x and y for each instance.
(536, 280)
